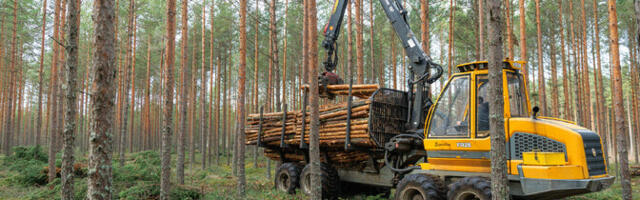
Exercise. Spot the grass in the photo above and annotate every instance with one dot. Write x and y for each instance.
(139, 179)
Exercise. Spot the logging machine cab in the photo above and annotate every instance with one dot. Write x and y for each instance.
(547, 158)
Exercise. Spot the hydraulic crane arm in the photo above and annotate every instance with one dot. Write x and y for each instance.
(420, 63)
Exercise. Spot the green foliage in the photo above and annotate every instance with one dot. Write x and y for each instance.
(28, 163)
(140, 191)
(27, 153)
(145, 166)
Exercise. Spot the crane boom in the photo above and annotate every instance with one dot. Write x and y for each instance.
(420, 63)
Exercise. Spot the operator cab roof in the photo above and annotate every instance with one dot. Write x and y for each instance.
(482, 65)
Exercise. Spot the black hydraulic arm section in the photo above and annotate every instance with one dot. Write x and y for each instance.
(420, 63)
(331, 33)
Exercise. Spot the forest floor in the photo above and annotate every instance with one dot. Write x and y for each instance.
(22, 177)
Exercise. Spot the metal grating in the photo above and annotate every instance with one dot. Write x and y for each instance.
(593, 152)
(387, 115)
(525, 142)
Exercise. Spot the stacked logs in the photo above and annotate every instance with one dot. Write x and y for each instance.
(333, 126)
(332, 130)
(362, 90)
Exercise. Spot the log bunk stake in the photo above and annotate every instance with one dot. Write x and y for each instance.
(260, 127)
(347, 142)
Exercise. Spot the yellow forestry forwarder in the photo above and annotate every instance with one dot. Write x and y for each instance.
(441, 150)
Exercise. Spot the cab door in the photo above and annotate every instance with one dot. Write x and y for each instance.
(454, 139)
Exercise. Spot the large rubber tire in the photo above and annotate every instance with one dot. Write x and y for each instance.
(470, 188)
(420, 187)
(329, 180)
(287, 178)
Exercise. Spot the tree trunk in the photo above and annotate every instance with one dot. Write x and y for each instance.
(203, 91)
(99, 169)
(125, 83)
(554, 78)
(184, 95)
(71, 109)
(480, 35)
(499, 181)
(52, 114)
(576, 90)
(617, 97)
(146, 141)
(507, 4)
(9, 129)
(133, 83)
(359, 46)
(565, 75)
(213, 141)
(523, 41)
(165, 181)
(40, 76)
(542, 94)
(450, 52)
(312, 52)
(241, 97)
(585, 71)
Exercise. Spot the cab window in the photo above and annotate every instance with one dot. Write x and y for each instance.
(450, 118)
(482, 106)
(517, 98)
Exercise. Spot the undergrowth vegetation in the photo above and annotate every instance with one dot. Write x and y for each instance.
(22, 176)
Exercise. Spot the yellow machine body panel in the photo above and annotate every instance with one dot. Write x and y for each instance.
(543, 158)
(457, 133)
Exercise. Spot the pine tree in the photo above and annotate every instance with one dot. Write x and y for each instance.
(165, 181)
(99, 173)
(184, 95)
(617, 97)
(40, 75)
(499, 181)
(73, 28)
(542, 95)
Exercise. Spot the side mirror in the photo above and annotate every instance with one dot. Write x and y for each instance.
(536, 109)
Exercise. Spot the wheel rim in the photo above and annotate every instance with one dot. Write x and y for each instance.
(468, 195)
(411, 193)
(307, 184)
(284, 181)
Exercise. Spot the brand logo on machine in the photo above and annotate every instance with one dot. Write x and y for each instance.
(593, 152)
(463, 144)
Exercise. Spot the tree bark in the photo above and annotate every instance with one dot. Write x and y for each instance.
(184, 95)
(542, 94)
(523, 41)
(617, 97)
(450, 50)
(554, 78)
(40, 76)
(69, 133)
(509, 29)
(241, 97)
(480, 52)
(133, 83)
(203, 91)
(52, 114)
(585, 70)
(499, 181)
(565, 75)
(314, 147)
(214, 140)
(99, 169)
(165, 181)
(359, 46)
